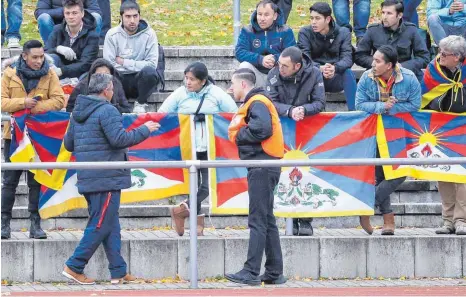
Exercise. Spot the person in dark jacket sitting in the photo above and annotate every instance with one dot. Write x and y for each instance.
(96, 133)
(260, 44)
(101, 66)
(296, 88)
(74, 44)
(257, 132)
(49, 13)
(329, 47)
(403, 36)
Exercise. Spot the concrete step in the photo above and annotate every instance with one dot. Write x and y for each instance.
(179, 57)
(424, 215)
(337, 253)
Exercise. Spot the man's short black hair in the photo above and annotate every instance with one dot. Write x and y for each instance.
(71, 3)
(295, 54)
(268, 2)
(390, 55)
(399, 6)
(245, 74)
(127, 5)
(321, 8)
(28, 45)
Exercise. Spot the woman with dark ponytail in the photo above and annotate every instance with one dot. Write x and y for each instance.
(198, 96)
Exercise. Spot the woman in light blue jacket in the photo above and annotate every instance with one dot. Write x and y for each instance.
(199, 96)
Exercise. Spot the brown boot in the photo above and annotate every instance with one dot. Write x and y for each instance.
(200, 225)
(179, 213)
(365, 222)
(388, 224)
(79, 278)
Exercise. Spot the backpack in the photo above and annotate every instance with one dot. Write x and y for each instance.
(161, 70)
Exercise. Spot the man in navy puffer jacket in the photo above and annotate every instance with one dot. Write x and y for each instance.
(96, 133)
(260, 44)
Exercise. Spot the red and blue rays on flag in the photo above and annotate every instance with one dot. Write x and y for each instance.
(336, 136)
(225, 183)
(424, 135)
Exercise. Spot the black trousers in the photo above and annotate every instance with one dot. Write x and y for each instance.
(10, 183)
(140, 84)
(262, 224)
(202, 182)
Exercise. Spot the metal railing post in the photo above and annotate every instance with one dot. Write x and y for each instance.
(193, 225)
(289, 227)
(236, 20)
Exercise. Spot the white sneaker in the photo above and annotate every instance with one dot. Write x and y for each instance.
(13, 42)
(139, 108)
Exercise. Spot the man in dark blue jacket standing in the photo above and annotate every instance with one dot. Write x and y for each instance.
(260, 44)
(74, 44)
(96, 133)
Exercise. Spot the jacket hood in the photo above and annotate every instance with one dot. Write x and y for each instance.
(256, 91)
(280, 21)
(142, 27)
(89, 23)
(11, 61)
(85, 106)
(305, 68)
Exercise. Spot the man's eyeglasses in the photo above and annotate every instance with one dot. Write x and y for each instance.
(444, 54)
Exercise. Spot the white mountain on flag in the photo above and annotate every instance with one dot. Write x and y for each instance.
(429, 151)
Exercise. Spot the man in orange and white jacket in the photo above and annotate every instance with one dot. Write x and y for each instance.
(24, 79)
(257, 132)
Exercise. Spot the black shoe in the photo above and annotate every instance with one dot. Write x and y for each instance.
(281, 279)
(36, 231)
(295, 227)
(305, 227)
(6, 230)
(243, 277)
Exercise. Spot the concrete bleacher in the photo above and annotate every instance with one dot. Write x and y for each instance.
(416, 204)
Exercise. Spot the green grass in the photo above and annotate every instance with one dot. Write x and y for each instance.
(197, 22)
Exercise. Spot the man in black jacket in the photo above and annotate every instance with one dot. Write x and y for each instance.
(49, 13)
(257, 132)
(74, 44)
(404, 36)
(329, 47)
(296, 88)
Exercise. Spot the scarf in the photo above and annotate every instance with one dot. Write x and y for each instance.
(385, 87)
(29, 77)
(436, 83)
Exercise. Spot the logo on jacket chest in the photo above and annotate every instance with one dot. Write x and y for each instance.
(256, 43)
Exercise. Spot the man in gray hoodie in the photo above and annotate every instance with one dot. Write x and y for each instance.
(132, 48)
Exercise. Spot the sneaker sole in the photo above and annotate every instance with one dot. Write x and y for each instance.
(69, 276)
(250, 283)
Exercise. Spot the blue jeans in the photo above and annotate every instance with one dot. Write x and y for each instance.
(439, 30)
(410, 12)
(45, 23)
(14, 19)
(106, 18)
(343, 82)
(107, 233)
(361, 13)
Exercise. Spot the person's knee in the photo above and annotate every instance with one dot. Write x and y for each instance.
(247, 65)
(149, 73)
(98, 20)
(433, 19)
(45, 20)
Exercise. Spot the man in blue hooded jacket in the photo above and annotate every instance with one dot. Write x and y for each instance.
(261, 43)
(96, 133)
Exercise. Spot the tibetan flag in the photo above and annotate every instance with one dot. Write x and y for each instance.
(304, 191)
(436, 83)
(425, 135)
(147, 184)
(228, 186)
